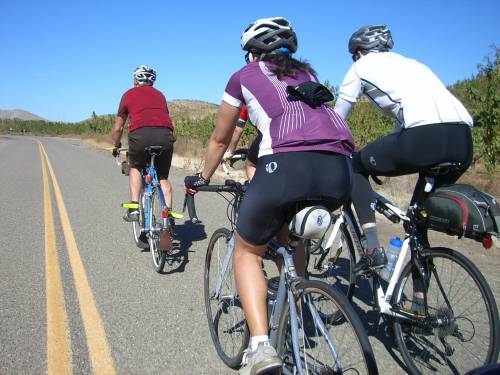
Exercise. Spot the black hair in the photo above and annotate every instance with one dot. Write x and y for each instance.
(286, 65)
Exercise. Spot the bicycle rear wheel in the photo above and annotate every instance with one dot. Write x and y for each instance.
(334, 265)
(342, 347)
(156, 224)
(140, 237)
(226, 319)
(460, 330)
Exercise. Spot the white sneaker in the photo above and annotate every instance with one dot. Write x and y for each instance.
(260, 361)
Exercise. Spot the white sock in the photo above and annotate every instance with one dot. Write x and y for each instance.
(255, 340)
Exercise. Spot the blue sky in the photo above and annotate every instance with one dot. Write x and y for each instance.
(64, 59)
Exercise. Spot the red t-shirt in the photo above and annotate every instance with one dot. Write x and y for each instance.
(144, 106)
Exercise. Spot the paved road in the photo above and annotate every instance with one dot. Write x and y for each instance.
(85, 298)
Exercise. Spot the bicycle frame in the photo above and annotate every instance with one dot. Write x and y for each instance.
(149, 181)
(288, 277)
(382, 297)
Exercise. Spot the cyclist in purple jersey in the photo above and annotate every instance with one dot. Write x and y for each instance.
(305, 152)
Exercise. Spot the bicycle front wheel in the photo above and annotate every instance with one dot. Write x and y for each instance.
(226, 319)
(326, 344)
(156, 224)
(459, 329)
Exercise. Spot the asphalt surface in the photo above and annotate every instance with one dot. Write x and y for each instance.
(153, 323)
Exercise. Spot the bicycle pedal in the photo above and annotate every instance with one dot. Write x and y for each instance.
(130, 205)
(175, 215)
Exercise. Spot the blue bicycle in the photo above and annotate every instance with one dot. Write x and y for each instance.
(154, 229)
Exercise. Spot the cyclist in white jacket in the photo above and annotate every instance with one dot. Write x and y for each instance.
(432, 126)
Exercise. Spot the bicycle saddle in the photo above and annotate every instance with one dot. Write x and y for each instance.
(443, 168)
(154, 150)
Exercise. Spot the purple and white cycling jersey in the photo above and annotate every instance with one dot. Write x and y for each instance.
(286, 125)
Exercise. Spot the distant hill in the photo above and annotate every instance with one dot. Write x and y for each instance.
(178, 108)
(194, 109)
(20, 114)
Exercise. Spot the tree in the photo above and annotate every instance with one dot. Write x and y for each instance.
(487, 116)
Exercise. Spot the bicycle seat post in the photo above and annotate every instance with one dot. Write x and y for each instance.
(429, 184)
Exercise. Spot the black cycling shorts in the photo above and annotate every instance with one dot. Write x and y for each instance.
(283, 183)
(415, 149)
(141, 138)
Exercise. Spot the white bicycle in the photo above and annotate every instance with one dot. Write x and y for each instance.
(454, 330)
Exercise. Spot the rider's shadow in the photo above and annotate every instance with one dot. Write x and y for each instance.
(373, 322)
(185, 235)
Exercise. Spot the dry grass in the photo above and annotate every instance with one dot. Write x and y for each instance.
(189, 154)
(187, 147)
(477, 176)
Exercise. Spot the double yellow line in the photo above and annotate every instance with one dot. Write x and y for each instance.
(59, 352)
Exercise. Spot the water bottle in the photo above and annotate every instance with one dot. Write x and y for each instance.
(392, 254)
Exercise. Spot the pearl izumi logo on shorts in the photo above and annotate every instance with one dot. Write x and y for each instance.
(271, 167)
(373, 161)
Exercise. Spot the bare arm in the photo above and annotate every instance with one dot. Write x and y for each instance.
(220, 139)
(238, 131)
(117, 131)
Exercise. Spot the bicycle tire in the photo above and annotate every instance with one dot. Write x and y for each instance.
(225, 316)
(156, 226)
(354, 352)
(335, 265)
(138, 225)
(464, 323)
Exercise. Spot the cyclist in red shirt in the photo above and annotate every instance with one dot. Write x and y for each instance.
(253, 150)
(149, 125)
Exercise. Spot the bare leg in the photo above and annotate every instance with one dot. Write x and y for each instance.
(300, 256)
(250, 169)
(166, 187)
(251, 284)
(135, 181)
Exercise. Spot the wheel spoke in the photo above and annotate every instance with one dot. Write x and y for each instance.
(463, 321)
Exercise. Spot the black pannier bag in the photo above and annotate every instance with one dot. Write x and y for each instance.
(464, 211)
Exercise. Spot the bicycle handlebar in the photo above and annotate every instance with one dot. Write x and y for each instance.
(189, 203)
(230, 186)
(117, 157)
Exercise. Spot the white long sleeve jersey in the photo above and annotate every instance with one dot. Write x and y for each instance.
(402, 88)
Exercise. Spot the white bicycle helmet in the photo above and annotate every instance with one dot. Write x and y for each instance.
(269, 34)
(369, 38)
(144, 75)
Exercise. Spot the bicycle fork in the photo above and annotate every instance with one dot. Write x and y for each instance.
(293, 280)
(225, 264)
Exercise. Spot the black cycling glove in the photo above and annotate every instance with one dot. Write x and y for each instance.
(196, 181)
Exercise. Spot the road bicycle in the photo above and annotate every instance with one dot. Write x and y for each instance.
(312, 326)
(442, 311)
(154, 229)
